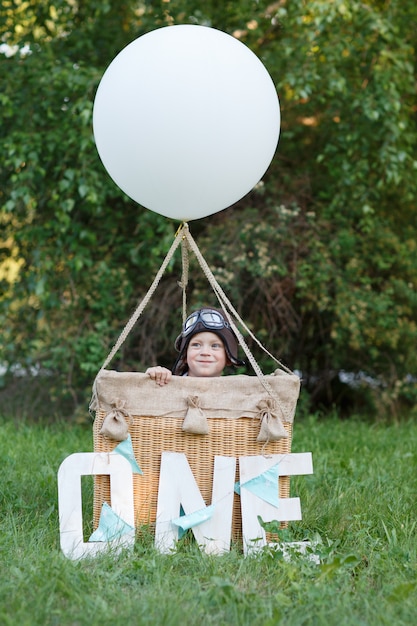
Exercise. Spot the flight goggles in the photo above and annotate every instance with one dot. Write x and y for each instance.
(211, 319)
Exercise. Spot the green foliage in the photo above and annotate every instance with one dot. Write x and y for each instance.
(358, 512)
(320, 259)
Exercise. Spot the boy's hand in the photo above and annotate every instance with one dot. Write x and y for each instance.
(161, 375)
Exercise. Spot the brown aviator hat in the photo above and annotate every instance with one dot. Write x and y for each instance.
(206, 319)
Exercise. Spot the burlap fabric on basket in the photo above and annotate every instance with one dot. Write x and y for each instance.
(229, 416)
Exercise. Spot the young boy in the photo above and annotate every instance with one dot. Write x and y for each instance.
(206, 345)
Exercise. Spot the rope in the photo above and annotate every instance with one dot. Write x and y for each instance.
(184, 279)
(225, 302)
(138, 312)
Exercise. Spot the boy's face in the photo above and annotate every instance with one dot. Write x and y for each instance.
(206, 355)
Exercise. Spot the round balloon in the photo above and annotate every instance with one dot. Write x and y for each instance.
(186, 120)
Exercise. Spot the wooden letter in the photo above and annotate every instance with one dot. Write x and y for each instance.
(70, 504)
(289, 508)
(177, 487)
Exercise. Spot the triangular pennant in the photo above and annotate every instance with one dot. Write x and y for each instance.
(125, 448)
(193, 519)
(265, 486)
(110, 526)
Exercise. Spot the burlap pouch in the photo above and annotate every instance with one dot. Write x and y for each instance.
(271, 428)
(116, 422)
(195, 421)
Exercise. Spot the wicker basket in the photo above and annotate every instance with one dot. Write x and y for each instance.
(153, 434)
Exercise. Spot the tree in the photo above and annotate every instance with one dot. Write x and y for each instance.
(319, 259)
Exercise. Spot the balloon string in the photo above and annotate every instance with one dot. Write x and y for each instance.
(223, 299)
(225, 302)
(139, 310)
(184, 279)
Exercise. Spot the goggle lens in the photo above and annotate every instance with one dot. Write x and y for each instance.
(209, 318)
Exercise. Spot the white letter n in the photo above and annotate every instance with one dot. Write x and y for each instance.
(178, 488)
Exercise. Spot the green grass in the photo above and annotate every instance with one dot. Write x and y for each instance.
(360, 504)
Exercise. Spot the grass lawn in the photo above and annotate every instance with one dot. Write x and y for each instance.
(360, 505)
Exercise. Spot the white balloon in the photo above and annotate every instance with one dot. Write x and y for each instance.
(186, 120)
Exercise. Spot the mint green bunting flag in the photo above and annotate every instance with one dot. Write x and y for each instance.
(193, 519)
(265, 486)
(125, 448)
(110, 526)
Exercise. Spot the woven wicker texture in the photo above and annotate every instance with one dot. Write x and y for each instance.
(151, 436)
